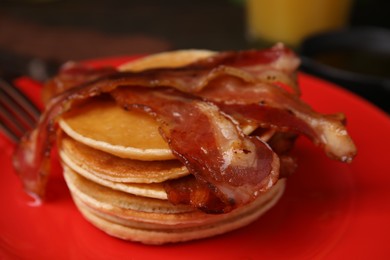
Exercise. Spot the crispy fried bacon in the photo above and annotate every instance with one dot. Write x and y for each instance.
(234, 167)
(272, 107)
(71, 75)
(277, 64)
(199, 108)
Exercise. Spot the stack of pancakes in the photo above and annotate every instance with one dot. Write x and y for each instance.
(115, 165)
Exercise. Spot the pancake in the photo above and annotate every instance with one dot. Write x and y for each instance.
(150, 190)
(112, 168)
(103, 125)
(168, 59)
(153, 221)
(100, 194)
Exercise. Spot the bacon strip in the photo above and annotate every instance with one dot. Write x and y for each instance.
(234, 167)
(72, 74)
(277, 64)
(272, 107)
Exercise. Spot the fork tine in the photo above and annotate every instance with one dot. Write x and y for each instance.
(9, 132)
(19, 97)
(17, 113)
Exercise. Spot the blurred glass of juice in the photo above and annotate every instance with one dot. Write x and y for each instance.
(290, 21)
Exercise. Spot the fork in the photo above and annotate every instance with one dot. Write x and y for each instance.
(17, 113)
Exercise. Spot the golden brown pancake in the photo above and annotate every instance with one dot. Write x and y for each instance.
(103, 125)
(150, 190)
(119, 199)
(170, 59)
(112, 168)
(152, 221)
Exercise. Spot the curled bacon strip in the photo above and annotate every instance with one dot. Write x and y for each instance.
(277, 64)
(235, 168)
(72, 74)
(272, 107)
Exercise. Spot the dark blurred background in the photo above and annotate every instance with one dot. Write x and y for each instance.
(54, 31)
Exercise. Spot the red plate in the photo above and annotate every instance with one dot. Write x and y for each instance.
(329, 209)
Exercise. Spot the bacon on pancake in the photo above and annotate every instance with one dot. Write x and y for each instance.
(199, 108)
